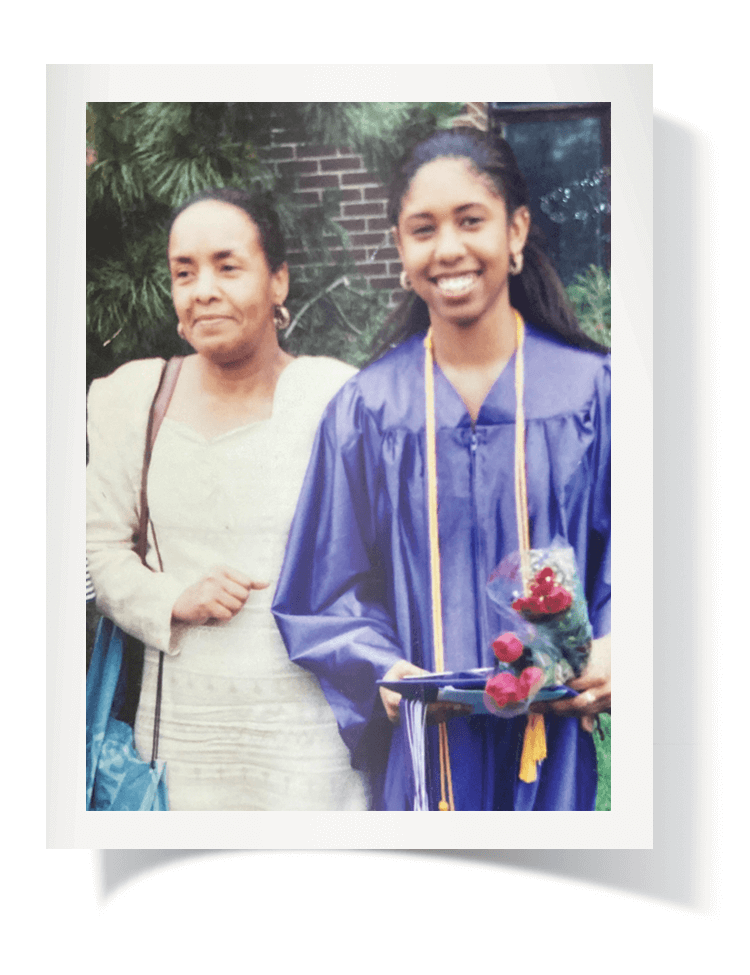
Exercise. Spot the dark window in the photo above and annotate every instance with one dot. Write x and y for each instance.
(563, 150)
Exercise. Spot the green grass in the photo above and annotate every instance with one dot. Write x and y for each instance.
(604, 759)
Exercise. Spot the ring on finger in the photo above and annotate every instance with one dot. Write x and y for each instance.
(588, 696)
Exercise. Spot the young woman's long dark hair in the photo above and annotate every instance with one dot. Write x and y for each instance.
(537, 292)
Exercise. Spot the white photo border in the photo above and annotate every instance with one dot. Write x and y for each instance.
(629, 824)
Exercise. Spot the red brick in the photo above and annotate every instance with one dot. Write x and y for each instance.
(368, 268)
(307, 182)
(358, 256)
(363, 209)
(361, 179)
(379, 223)
(383, 284)
(347, 195)
(340, 163)
(350, 225)
(309, 150)
(389, 254)
(362, 240)
(394, 267)
(309, 166)
(376, 193)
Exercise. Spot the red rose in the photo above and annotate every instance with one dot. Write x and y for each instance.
(526, 604)
(530, 676)
(543, 582)
(541, 588)
(531, 606)
(540, 604)
(558, 600)
(504, 689)
(507, 647)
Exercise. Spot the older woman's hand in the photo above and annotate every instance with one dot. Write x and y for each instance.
(437, 712)
(219, 596)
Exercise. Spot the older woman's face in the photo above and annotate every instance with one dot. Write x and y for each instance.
(223, 290)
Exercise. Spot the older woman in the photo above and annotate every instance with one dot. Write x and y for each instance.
(240, 726)
(354, 599)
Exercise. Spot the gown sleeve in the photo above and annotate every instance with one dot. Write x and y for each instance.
(599, 580)
(330, 603)
(137, 599)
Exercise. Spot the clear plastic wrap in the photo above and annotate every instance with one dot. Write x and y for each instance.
(547, 637)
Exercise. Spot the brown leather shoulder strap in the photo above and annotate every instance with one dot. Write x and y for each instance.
(157, 413)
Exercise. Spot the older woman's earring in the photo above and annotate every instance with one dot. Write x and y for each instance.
(515, 264)
(281, 317)
(180, 330)
(403, 280)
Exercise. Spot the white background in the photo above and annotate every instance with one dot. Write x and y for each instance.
(378, 910)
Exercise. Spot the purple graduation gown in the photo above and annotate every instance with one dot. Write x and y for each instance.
(354, 592)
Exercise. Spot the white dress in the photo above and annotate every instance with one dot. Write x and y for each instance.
(241, 726)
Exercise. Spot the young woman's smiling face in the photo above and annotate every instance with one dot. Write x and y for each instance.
(455, 240)
(222, 287)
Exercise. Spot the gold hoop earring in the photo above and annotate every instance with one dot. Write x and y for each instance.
(515, 264)
(281, 317)
(403, 280)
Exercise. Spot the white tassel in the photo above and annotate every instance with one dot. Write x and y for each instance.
(414, 714)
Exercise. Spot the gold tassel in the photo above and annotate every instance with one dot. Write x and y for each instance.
(534, 747)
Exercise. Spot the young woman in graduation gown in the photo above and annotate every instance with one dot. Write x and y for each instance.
(241, 727)
(353, 601)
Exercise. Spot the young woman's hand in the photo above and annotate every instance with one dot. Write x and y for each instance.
(218, 596)
(594, 688)
(437, 712)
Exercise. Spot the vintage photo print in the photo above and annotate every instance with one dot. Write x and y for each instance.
(257, 684)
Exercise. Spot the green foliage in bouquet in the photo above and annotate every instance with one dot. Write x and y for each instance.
(151, 156)
(591, 297)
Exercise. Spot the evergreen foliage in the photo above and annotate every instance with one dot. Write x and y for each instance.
(151, 156)
(591, 296)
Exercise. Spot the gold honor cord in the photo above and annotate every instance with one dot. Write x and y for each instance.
(534, 746)
(534, 739)
(446, 781)
(522, 504)
(432, 498)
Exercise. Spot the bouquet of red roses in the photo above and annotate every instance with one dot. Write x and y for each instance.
(548, 638)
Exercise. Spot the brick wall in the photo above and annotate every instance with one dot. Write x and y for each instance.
(361, 210)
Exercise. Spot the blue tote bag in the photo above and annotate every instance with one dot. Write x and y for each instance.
(117, 778)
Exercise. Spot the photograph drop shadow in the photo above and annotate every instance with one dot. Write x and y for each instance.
(672, 870)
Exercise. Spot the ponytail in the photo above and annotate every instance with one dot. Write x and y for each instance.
(540, 296)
